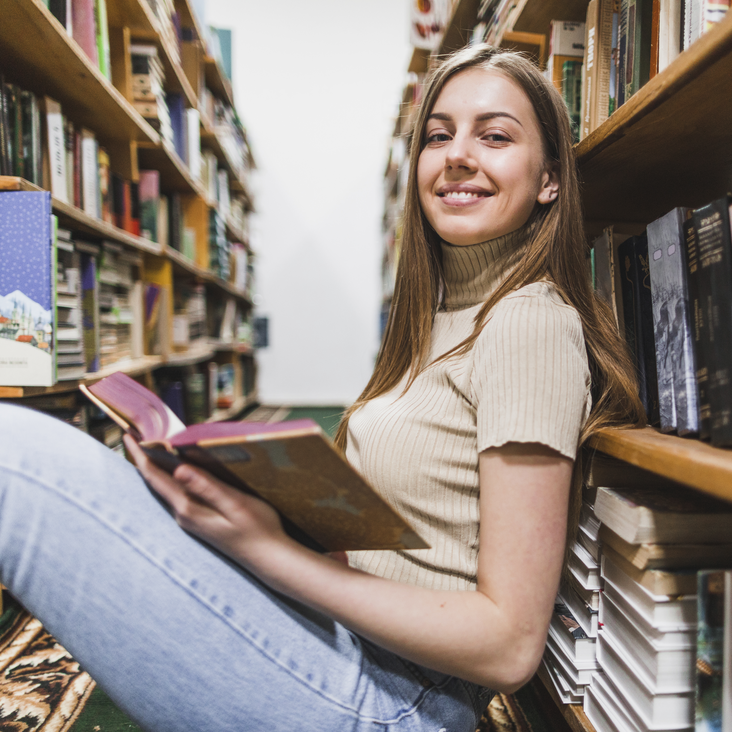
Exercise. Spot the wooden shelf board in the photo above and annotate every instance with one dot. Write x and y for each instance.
(221, 346)
(210, 139)
(688, 461)
(239, 405)
(420, 61)
(78, 220)
(63, 72)
(131, 367)
(462, 22)
(536, 16)
(174, 174)
(673, 134)
(189, 19)
(196, 354)
(217, 81)
(203, 274)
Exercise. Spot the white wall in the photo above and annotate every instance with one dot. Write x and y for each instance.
(317, 84)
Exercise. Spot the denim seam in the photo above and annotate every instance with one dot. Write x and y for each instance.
(240, 631)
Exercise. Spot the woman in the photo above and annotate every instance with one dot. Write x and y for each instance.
(470, 426)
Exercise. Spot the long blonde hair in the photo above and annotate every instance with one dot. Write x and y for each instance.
(557, 250)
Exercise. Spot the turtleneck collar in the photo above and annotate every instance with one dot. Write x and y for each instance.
(473, 272)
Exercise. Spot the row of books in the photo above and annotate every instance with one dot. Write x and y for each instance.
(69, 306)
(86, 22)
(669, 289)
(640, 632)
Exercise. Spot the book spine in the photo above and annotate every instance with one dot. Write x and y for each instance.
(149, 191)
(89, 173)
(644, 323)
(590, 68)
(622, 50)
(663, 298)
(699, 326)
(90, 311)
(710, 649)
(84, 28)
(601, 108)
(56, 149)
(655, 37)
(102, 39)
(715, 287)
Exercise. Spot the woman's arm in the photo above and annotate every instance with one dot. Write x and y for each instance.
(494, 637)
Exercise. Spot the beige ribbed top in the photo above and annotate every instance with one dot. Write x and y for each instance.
(525, 380)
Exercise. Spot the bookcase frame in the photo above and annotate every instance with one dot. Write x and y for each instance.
(49, 61)
(668, 145)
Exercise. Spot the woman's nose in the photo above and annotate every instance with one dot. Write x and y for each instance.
(459, 153)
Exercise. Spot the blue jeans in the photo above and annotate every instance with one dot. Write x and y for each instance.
(180, 637)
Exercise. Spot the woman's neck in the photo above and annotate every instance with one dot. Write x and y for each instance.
(473, 272)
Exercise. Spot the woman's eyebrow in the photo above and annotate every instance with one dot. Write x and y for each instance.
(484, 117)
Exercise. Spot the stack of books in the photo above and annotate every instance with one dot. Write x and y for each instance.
(120, 304)
(69, 344)
(647, 638)
(570, 658)
(148, 80)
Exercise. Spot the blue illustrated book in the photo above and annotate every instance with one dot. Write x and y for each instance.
(27, 289)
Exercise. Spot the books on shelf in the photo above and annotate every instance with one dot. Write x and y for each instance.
(323, 501)
(664, 515)
(27, 289)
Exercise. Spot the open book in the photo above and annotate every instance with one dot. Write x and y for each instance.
(323, 502)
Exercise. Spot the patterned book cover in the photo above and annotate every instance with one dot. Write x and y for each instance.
(675, 357)
(27, 289)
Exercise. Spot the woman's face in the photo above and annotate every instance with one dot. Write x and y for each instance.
(482, 169)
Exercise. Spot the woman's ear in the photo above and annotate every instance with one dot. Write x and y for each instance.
(549, 185)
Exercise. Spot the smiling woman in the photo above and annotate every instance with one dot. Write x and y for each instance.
(483, 167)
(497, 363)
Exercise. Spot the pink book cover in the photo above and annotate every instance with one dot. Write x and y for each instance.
(84, 27)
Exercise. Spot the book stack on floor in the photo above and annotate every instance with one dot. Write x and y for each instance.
(570, 658)
(647, 640)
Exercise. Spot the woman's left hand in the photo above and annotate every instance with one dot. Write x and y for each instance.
(239, 525)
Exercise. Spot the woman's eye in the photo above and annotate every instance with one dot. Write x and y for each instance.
(496, 137)
(437, 137)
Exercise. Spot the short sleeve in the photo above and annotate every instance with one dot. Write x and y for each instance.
(530, 378)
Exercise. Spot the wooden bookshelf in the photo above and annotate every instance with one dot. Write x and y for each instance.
(239, 405)
(50, 62)
(673, 135)
(40, 56)
(688, 461)
(536, 16)
(462, 22)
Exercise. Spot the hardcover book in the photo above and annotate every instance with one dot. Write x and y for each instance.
(714, 282)
(699, 326)
(27, 289)
(675, 357)
(323, 502)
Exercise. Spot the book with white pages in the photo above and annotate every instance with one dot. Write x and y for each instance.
(656, 710)
(663, 637)
(584, 567)
(592, 546)
(668, 669)
(590, 597)
(579, 673)
(589, 521)
(658, 610)
(583, 613)
(608, 710)
(571, 691)
(546, 670)
(568, 633)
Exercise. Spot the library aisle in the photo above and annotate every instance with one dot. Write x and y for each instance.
(201, 222)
